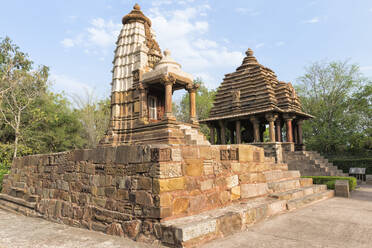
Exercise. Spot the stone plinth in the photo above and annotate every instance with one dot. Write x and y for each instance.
(369, 179)
(342, 188)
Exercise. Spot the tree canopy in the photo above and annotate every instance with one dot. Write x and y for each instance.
(339, 97)
(35, 120)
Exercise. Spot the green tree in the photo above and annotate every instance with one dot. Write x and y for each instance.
(333, 93)
(52, 125)
(204, 102)
(32, 119)
(20, 85)
(94, 116)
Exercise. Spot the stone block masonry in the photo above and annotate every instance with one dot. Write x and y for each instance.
(148, 192)
(129, 190)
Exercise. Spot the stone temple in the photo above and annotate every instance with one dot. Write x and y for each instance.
(154, 179)
(142, 86)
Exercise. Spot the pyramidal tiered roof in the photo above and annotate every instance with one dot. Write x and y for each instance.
(251, 89)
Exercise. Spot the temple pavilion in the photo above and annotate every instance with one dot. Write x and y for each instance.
(143, 83)
(251, 99)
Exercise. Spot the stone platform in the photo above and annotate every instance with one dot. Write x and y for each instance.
(176, 195)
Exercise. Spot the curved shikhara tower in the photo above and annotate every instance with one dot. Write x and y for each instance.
(142, 86)
(136, 49)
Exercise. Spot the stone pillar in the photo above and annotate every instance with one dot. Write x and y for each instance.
(232, 136)
(271, 118)
(211, 133)
(237, 131)
(256, 128)
(168, 81)
(218, 129)
(289, 128)
(295, 138)
(278, 128)
(192, 88)
(299, 127)
(223, 132)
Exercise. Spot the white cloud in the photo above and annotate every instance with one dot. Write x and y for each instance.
(185, 33)
(313, 20)
(71, 86)
(67, 42)
(161, 2)
(370, 10)
(205, 44)
(366, 68)
(100, 35)
(259, 45)
(246, 11)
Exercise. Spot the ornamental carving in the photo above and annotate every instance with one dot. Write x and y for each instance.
(229, 154)
(168, 79)
(236, 95)
(160, 154)
(191, 87)
(136, 76)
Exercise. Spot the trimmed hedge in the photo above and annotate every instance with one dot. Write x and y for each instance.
(330, 181)
(346, 163)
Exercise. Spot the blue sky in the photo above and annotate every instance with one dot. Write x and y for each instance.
(76, 38)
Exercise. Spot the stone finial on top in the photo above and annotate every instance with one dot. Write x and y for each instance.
(137, 7)
(249, 52)
(167, 60)
(167, 53)
(136, 15)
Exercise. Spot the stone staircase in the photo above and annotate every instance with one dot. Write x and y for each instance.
(193, 136)
(19, 201)
(311, 163)
(286, 191)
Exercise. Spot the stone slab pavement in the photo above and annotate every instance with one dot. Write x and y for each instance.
(18, 231)
(338, 222)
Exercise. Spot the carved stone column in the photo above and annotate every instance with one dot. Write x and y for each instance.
(168, 81)
(192, 88)
(288, 120)
(295, 133)
(218, 129)
(223, 132)
(211, 133)
(271, 118)
(237, 131)
(278, 128)
(256, 128)
(299, 126)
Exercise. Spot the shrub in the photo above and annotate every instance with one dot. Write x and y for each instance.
(346, 163)
(330, 181)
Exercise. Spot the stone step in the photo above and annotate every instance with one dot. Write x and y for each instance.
(17, 192)
(300, 202)
(19, 205)
(299, 193)
(279, 175)
(285, 185)
(18, 201)
(193, 231)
